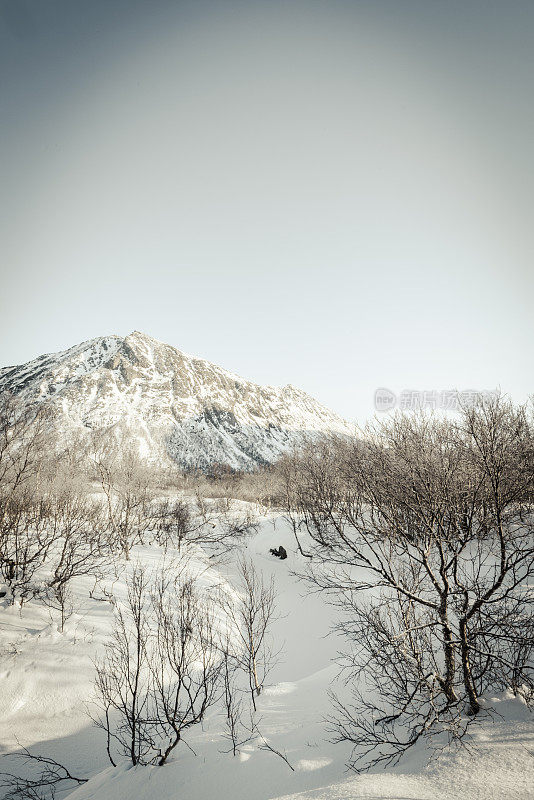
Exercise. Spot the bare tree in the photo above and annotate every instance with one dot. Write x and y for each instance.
(233, 704)
(187, 668)
(23, 540)
(251, 617)
(163, 668)
(23, 436)
(215, 527)
(126, 485)
(494, 605)
(50, 776)
(172, 523)
(80, 545)
(123, 678)
(429, 520)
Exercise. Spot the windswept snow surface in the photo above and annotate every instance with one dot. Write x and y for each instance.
(173, 403)
(47, 688)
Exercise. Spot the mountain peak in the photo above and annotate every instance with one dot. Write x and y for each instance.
(172, 404)
(141, 335)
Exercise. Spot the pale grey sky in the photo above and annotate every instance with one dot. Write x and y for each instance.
(332, 194)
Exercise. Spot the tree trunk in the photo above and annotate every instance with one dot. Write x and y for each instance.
(448, 649)
(474, 705)
(169, 750)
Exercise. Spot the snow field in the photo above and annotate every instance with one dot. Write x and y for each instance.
(47, 692)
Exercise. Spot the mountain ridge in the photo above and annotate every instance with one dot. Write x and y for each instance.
(173, 403)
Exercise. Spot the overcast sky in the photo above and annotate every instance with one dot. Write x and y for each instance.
(337, 195)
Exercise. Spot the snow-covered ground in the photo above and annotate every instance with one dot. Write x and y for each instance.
(47, 688)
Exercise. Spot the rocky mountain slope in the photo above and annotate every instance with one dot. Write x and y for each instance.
(172, 403)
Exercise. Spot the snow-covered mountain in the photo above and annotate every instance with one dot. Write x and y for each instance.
(172, 403)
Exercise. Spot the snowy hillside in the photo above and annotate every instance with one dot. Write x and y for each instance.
(47, 692)
(170, 402)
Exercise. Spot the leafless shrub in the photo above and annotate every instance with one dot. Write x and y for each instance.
(23, 438)
(432, 520)
(123, 678)
(199, 521)
(128, 492)
(230, 529)
(162, 670)
(172, 658)
(80, 545)
(25, 542)
(266, 745)
(171, 522)
(50, 776)
(251, 615)
(233, 703)
(187, 667)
